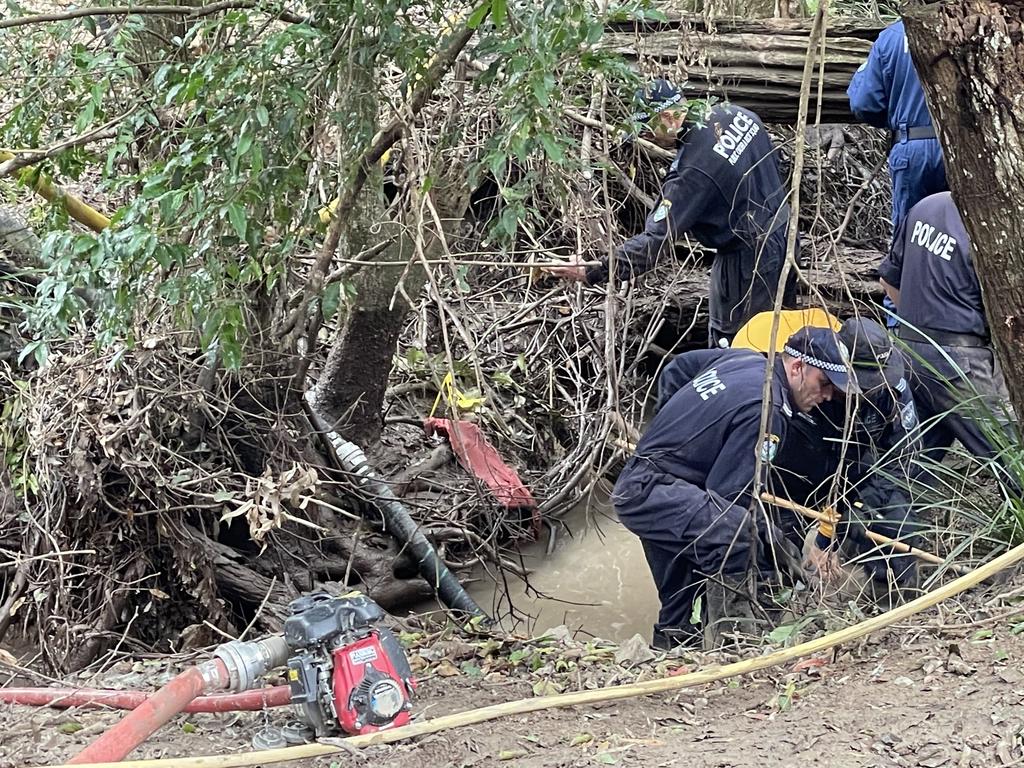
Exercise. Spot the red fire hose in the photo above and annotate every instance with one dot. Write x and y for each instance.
(236, 667)
(65, 698)
(156, 710)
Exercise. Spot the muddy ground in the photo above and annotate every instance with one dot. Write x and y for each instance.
(946, 689)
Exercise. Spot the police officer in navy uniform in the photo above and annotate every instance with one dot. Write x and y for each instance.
(724, 188)
(686, 492)
(886, 93)
(929, 274)
(875, 441)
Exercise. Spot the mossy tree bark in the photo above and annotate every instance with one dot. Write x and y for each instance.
(350, 390)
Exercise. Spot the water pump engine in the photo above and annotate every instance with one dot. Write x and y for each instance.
(347, 671)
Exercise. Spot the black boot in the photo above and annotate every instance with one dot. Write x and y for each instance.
(669, 638)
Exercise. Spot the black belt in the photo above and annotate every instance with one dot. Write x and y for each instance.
(914, 132)
(942, 338)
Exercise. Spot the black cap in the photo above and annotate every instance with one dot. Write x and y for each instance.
(655, 98)
(822, 349)
(876, 362)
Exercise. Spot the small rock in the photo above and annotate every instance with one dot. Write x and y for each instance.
(634, 651)
(560, 634)
(1009, 675)
(958, 666)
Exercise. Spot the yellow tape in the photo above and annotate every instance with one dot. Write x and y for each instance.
(828, 527)
(453, 396)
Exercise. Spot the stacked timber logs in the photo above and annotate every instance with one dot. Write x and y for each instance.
(754, 62)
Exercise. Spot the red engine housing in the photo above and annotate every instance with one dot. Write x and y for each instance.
(371, 693)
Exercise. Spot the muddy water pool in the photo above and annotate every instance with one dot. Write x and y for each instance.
(596, 581)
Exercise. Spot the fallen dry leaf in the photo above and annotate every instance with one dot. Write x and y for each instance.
(810, 663)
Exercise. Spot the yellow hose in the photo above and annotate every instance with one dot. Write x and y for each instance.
(76, 209)
(523, 706)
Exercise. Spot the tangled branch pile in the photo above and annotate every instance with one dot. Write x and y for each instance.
(153, 498)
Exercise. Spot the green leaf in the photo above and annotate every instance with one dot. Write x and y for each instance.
(244, 141)
(695, 614)
(552, 148)
(512, 754)
(546, 688)
(414, 356)
(460, 279)
(983, 634)
(607, 758)
(37, 349)
(236, 215)
(476, 18)
(581, 738)
(70, 728)
(781, 634)
(262, 116)
(331, 299)
(498, 12)
(188, 727)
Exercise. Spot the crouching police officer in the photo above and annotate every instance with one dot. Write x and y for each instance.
(686, 492)
(724, 188)
(957, 382)
(860, 458)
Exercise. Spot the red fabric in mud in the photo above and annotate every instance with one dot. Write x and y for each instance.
(482, 459)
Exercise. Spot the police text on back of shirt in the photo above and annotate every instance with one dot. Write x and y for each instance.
(708, 384)
(736, 137)
(938, 242)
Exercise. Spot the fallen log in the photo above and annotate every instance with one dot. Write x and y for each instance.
(756, 63)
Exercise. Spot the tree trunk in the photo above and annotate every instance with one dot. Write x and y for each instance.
(970, 56)
(350, 391)
(758, 63)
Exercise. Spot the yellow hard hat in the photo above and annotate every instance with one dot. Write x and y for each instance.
(757, 331)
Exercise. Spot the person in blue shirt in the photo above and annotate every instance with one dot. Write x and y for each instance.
(686, 492)
(724, 188)
(886, 93)
(958, 383)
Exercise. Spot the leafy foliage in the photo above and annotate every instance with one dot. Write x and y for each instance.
(227, 127)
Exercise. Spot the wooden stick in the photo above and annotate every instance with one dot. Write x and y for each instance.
(614, 693)
(814, 514)
(878, 538)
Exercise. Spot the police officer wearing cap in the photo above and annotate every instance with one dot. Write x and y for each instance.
(724, 188)
(930, 276)
(886, 93)
(686, 492)
(875, 441)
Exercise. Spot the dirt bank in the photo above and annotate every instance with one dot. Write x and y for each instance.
(946, 690)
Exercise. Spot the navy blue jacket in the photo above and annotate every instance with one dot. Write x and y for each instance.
(883, 441)
(723, 188)
(930, 262)
(707, 429)
(886, 92)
